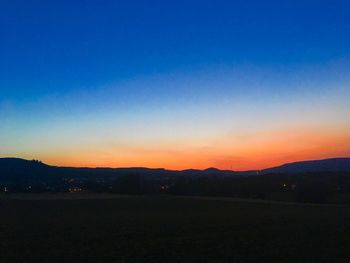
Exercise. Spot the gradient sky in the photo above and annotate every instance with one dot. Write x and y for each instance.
(174, 84)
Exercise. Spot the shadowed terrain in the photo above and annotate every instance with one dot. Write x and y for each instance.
(104, 228)
(320, 181)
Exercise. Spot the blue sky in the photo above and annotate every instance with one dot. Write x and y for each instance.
(91, 74)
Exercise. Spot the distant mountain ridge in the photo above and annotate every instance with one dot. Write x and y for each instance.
(325, 165)
(16, 169)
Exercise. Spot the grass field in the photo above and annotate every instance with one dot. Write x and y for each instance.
(102, 228)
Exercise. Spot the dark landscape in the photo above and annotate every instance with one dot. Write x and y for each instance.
(293, 213)
(104, 228)
(318, 181)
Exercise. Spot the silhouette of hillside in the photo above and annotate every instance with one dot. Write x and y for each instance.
(15, 169)
(326, 165)
(20, 170)
(317, 181)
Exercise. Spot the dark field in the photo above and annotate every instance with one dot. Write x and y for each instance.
(86, 228)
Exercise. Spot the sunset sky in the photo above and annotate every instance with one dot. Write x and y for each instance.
(174, 84)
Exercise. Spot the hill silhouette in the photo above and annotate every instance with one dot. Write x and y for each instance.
(17, 170)
(21, 170)
(325, 165)
(308, 181)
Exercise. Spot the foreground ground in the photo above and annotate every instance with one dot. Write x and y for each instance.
(102, 228)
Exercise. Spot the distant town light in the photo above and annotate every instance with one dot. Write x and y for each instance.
(75, 190)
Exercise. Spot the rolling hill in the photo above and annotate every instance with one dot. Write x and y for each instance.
(326, 165)
(20, 170)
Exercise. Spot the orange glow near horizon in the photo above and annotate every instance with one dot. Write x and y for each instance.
(258, 151)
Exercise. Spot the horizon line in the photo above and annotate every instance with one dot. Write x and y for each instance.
(163, 168)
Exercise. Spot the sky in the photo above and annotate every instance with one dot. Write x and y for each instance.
(175, 84)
